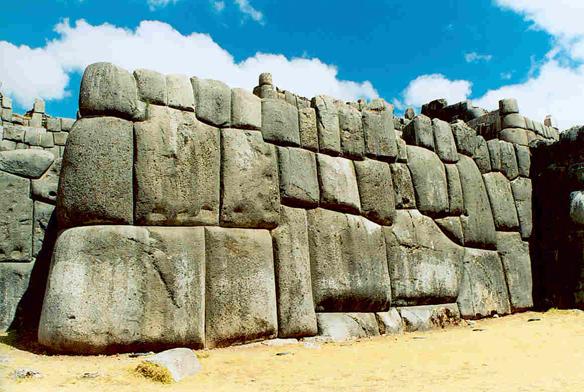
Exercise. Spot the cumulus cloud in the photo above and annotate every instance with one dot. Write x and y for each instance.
(474, 57)
(219, 5)
(154, 4)
(426, 88)
(44, 72)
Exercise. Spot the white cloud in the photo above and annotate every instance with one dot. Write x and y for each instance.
(506, 75)
(246, 8)
(219, 5)
(474, 57)
(426, 88)
(154, 4)
(44, 72)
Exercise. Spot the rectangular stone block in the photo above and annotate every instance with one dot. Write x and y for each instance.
(36, 120)
(523, 156)
(213, 101)
(378, 131)
(402, 186)
(298, 177)
(280, 122)
(14, 132)
(240, 286)
(296, 316)
(16, 217)
(177, 169)
(340, 327)
(502, 203)
(351, 131)
(522, 193)
(7, 115)
(33, 136)
(14, 282)
(481, 155)
(307, 129)
(47, 140)
(338, 183)
(429, 180)
(67, 124)
(376, 191)
(246, 110)
(514, 255)
(494, 154)
(179, 93)
(250, 195)
(465, 138)
(455, 197)
(327, 125)
(444, 141)
(151, 86)
(60, 138)
(418, 132)
(53, 124)
(508, 160)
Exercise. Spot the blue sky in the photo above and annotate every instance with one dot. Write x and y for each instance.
(406, 52)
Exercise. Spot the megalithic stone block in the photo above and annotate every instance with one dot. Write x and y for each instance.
(444, 141)
(378, 131)
(514, 255)
(327, 125)
(14, 283)
(465, 137)
(522, 191)
(481, 155)
(523, 156)
(351, 131)
(246, 110)
(419, 132)
(298, 177)
(177, 169)
(280, 122)
(508, 160)
(212, 101)
(122, 288)
(376, 191)
(429, 179)
(90, 196)
(338, 183)
(502, 203)
(402, 185)
(16, 219)
(151, 86)
(179, 92)
(455, 197)
(307, 128)
(494, 154)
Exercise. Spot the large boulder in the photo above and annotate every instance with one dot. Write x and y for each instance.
(517, 267)
(429, 179)
(338, 183)
(176, 169)
(502, 203)
(121, 288)
(376, 190)
(26, 163)
(16, 219)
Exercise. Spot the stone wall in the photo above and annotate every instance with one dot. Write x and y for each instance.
(31, 147)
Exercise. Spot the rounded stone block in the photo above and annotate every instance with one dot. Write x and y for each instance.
(402, 186)
(26, 163)
(514, 135)
(151, 86)
(507, 106)
(465, 138)
(514, 255)
(280, 122)
(340, 327)
(376, 191)
(179, 92)
(429, 179)
(213, 101)
(338, 183)
(327, 125)
(444, 141)
(419, 132)
(513, 120)
(502, 202)
(298, 177)
(307, 129)
(351, 131)
(246, 110)
(378, 131)
(522, 193)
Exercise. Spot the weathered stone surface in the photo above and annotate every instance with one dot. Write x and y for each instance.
(296, 315)
(378, 131)
(508, 160)
(240, 286)
(246, 110)
(108, 90)
(179, 92)
(47, 140)
(307, 128)
(33, 136)
(14, 281)
(522, 191)
(90, 196)
(478, 224)
(53, 124)
(348, 263)
(514, 255)
(178, 362)
(513, 120)
(426, 317)
(494, 154)
(376, 191)
(60, 138)
(502, 202)
(26, 163)
(327, 125)
(115, 288)
(298, 177)
(45, 188)
(280, 122)
(444, 141)
(455, 197)
(250, 187)
(419, 132)
(7, 145)
(514, 135)
(429, 179)
(14, 132)
(389, 322)
(67, 124)
(16, 212)
(452, 227)
(483, 291)
(338, 182)
(481, 155)
(402, 150)
(44, 220)
(465, 137)
(345, 326)
(177, 169)
(402, 186)
(424, 265)
(351, 131)
(507, 106)
(151, 86)
(523, 160)
(213, 101)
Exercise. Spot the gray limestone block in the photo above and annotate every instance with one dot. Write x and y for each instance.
(14, 282)
(465, 137)
(389, 322)
(250, 194)
(402, 186)
(16, 219)
(481, 155)
(529, 125)
(14, 132)
(44, 220)
(213, 101)
(351, 131)
(47, 140)
(6, 115)
(107, 89)
(523, 156)
(522, 192)
(427, 272)
(455, 197)
(53, 124)
(419, 132)
(452, 227)
(298, 177)
(427, 317)
(502, 202)
(507, 106)
(444, 141)
(60, 138)
(90, 196)
(478, 224)
(151, 86)
(341, 327)
(338, 183)
(38, 106)
(7, 145)
(246, 110)
(379, 133)
(494, 154)
(290, 98)
(179, 92)
(296, 316)
(265, 91)
(327, 125)
(402, 150)
(240, 286)
(429, 179)
(280, 122)
(67, 124)
(36, 120)
(483, 291)
(307, 128)
(513, 120)
(178, 362)
(348, 263)
(509, 165)
(154, 296)
(29, 163)
(514, 135)
(176, 169)
(33, 136)
(45, 188)
(376, 191)
(514, 255)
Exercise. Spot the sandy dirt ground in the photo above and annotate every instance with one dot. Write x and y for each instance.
(503, 354)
